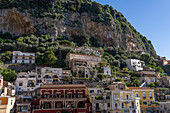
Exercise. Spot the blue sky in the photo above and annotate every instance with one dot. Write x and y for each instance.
(150, 17)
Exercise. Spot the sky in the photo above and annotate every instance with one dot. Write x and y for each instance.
(149, 17)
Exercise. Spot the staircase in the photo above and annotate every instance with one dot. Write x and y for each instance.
(143, 84)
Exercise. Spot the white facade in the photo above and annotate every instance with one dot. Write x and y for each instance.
(23, 57)
(96, 91)
(57, 71)
(26, 82)
(1, 81)
(5, 108)
(88, 51)
(134, 64)
(32, 80)
(107, 71)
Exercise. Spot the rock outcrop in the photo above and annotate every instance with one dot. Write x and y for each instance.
(74, 24)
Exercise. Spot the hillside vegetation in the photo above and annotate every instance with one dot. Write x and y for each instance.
(98, 13)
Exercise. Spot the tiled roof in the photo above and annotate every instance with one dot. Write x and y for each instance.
(140, 88)
(63, 86)
(84, 55)
(147, 72)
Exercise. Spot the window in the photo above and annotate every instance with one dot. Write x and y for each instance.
(151, 102)
(122, 105)
(11, 102)
(127, 96)
(116, 106)
(136, 94)
(144, 95)
(116, 97)
(144, 102)
(150, 94)
(58, 105)
(0, 102)
(80, 96)
(97, 105)
(98, 91)
(107, 97)
(91, 91)
(20, 84)
(108, 104)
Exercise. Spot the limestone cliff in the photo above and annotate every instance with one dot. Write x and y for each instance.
(74, 24)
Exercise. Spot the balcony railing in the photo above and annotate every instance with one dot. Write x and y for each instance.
(127, 98)
(131, 107)
(116, 99)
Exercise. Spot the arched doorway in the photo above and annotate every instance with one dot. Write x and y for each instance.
(81, 104)
(58, 105)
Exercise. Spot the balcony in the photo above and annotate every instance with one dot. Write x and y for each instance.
(116, 99)
(132, 107)
(117, 108)
(127, 99)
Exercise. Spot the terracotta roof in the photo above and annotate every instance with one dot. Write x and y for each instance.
(140, 88)
(84, 55)
(63, 86)
(148, 72)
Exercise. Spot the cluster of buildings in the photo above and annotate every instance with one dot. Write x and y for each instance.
(7, 96)
(80, 98)
(147, 75)
(54, 90)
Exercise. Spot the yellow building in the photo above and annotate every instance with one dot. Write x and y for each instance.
(145, 94)
(124, 102)
(6, 104)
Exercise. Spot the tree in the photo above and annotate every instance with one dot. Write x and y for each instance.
(119, 80)
(159, 69)
(101, 76)
(50, 58)
(157, 84)
(136, 83)
(8, 74)
(147, 58)
(125, 69)
(151, 85)
(7, 56)
(41, 49)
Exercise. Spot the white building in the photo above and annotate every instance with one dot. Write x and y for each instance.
(107, 71)
(6, 104)
(23, 57)
(135, 64)
(1, 81)
(57, 71)
(26, 82)
(6, 91)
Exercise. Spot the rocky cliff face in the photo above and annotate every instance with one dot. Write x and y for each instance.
(74, 24)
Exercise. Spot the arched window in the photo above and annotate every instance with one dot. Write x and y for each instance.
(55, 76)
(81, 104)
(144, 96)
(150, 94)
(20, 84)
(47, 105)
(47, 76)
(136, 94)
(58, 105)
